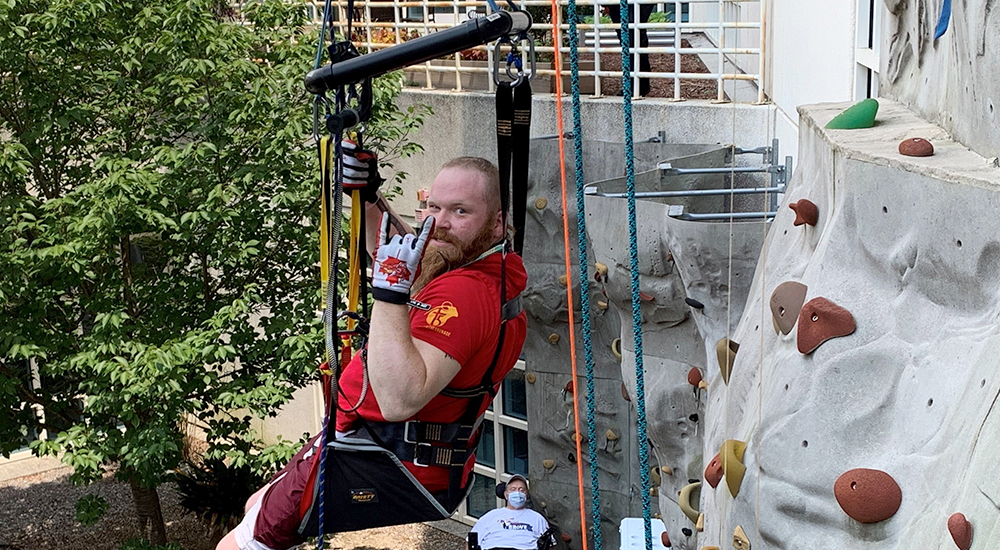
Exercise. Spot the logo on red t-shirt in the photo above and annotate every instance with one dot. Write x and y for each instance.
(439, 315)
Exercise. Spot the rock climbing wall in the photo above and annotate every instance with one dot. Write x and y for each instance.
(694, 279)
(953, 80)
(865, 384)
(553, 457)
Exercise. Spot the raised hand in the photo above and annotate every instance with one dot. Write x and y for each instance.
(397, 261)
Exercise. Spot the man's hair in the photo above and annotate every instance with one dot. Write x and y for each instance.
(490, 173)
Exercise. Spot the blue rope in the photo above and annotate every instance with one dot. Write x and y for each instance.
(581, 234)
(640, 391)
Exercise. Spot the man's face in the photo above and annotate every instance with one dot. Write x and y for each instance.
(515, 486)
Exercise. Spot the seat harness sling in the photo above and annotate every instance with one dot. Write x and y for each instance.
(358, 481)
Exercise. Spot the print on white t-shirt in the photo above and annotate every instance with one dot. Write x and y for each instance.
(505, 528)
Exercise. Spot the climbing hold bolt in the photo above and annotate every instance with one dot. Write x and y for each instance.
(548, 463)
(694, 376)
(553, 338)
(616, 348)
(725, 350)
(806, 212)
(860, 115)
(713, 472)
(820, 320)
(530, 377)
(731, 456)
(740, 539)
(600, 272)
(786, 302)
(868, 496)
(685, 500)
(700, 524)
(694, 303)
(961, 530)
(541, 203)
(611, 435)
(916, 147)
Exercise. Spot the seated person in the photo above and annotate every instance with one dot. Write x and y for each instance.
(514, 526)
(447, 340)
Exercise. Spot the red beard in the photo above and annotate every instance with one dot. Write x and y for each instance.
(440, 260)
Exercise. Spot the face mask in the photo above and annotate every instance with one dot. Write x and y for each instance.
(516, 499)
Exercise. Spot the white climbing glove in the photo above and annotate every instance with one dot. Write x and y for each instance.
(397, 261)
(360, 170)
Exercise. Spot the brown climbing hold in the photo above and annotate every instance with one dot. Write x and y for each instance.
(916, 147)
(806, 212)
(725, 350)
(541, 203)
(562, 280)
(700, 524)
(567, 538)
(645, 297)
(601, 272)
(786, 302)
(713, 472)
(548, 463)
(625, 393)
(569, 387)
(654, 475)
(611, 435)
(694, 376)
(961, 530)
(740, 539)
(820, 320)
(665, 539)
(530, 377)
(553, 338)
(868, 496)
(653, 491)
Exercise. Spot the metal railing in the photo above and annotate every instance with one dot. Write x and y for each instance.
(724, 39)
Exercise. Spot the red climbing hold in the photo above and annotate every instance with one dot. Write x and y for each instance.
(961, 530)
(805, 212)
(868, 496)
(569, 387)
(567, 538)
(916, 147)
(665, 539)
(820, 320)
(646, 297)
(694, 376)
(713, 472)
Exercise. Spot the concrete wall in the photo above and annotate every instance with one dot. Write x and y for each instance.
(953, 81)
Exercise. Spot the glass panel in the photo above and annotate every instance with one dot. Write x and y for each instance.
(486, 452)
(483, 496)
(514, 403)
(515, 446)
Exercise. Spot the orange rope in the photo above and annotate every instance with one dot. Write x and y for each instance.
(557, 61)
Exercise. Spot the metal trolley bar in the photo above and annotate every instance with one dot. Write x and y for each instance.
(688, 193)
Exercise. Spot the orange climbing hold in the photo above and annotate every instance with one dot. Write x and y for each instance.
(820, 320)
(806, 212)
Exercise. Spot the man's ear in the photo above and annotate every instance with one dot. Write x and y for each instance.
(498, 228)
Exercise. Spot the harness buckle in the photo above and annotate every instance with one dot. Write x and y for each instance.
(412, 439)
(416, 454)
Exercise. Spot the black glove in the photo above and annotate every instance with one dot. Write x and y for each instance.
(360, 171)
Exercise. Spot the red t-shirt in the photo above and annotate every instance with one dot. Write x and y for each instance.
(464, 322)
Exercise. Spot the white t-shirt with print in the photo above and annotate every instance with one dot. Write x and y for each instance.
(506, 528)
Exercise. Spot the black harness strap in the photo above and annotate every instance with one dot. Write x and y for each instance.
(521, 141)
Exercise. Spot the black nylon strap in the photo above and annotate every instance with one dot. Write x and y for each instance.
(422, 432)
(505, 123)
(521, 141)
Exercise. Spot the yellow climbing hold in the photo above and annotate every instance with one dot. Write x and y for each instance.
(740, 540)
(616, 348)
(684, 501)
(667, 470)
(611, 435)
(731, 456)
(654, 476)
(726, 350)
(562, 280)
(601, 272)
(702, 385)
(530, 377)
(709, 548)
(602, 305)
(541, 203)
(553, 338)
(700, 524)
(548, 463)
(653, 491)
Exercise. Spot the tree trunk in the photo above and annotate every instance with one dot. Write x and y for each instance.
(147, 509)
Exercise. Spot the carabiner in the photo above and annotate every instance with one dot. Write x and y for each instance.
(317, 100)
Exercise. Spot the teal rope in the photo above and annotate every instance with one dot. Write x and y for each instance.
(633, 253)
(581, 235)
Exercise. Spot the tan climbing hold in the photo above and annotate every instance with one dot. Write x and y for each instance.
(653, 491)
(657, 516)
(700, 524)
(600, 272)
(774, 323)
(602, 305)
(726, 350)
(786, 303)
(731, 456)
(819, 321)
(562, 280)
(654, 475)
(611, 435)
(684, 501)
(667, 470)
(541, 203)
(702, 385)
(616, 348)
(548, 463)
(709, 548)
(553, 338)
(530, 377)
(961, 530)
(740, 540)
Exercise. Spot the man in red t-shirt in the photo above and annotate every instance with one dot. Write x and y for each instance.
(453, 268)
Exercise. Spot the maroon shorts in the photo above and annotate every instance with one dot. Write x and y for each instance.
(278, 521)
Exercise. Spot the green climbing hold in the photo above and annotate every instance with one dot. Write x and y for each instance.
(859, 115)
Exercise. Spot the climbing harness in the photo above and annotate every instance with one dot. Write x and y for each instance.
(358, 481)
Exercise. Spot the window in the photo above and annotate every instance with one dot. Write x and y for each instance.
(866, 53)
(515, 447)
(514, 402)
(486, 452)
(483, 496)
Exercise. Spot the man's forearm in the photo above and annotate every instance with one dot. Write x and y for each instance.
(396, 370)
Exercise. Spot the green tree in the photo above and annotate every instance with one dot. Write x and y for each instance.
(158, 241)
